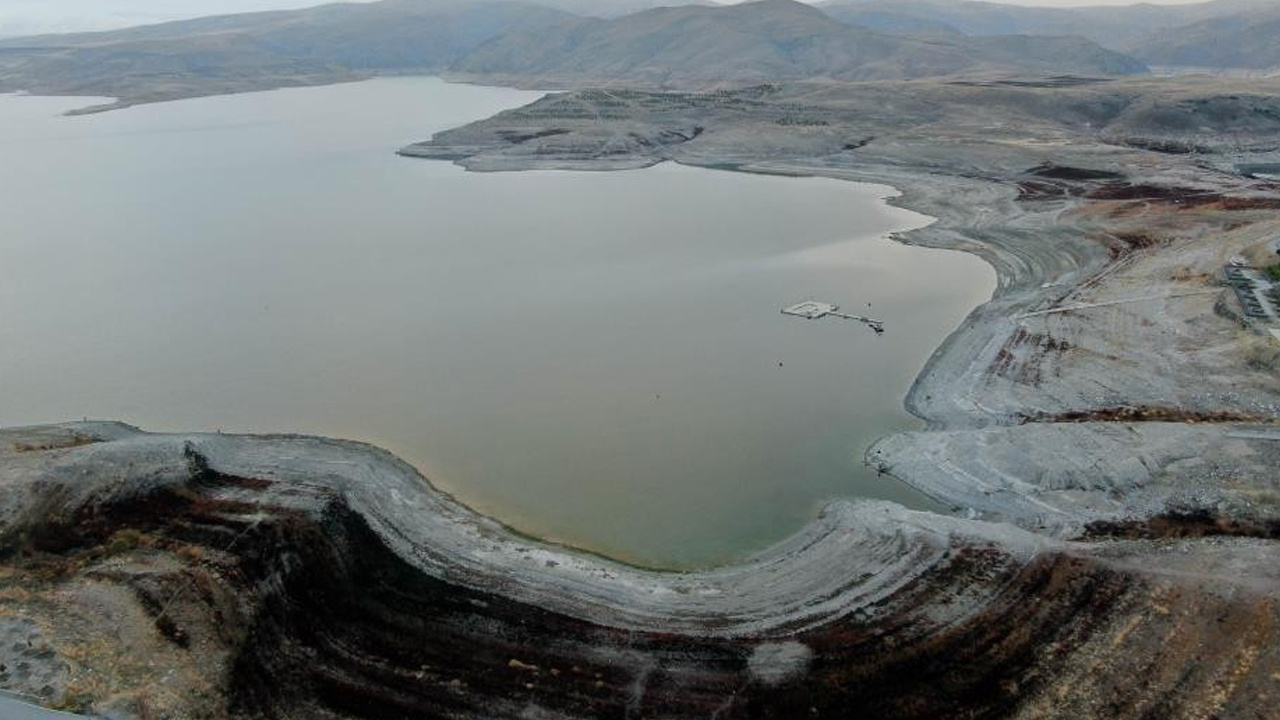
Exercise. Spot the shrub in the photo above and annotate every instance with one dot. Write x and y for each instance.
(124, 541)
(1262, 354)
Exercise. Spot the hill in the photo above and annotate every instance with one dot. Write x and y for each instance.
(1124, 28)
(1245, 40)
(614, 8)
(762, 41)
(256, 51)
(519, 43)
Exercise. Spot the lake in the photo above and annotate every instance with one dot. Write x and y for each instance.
(594, 358)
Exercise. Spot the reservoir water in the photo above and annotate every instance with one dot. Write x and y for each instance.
(594, 358)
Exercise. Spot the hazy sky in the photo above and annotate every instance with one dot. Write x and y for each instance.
(21, 17)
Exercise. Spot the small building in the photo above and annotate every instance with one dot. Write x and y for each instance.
(810, 310)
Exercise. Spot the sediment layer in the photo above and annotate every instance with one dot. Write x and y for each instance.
(301, 577)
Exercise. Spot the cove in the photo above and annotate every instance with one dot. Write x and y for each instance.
(594, 358)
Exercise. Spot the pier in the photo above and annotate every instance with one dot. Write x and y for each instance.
(812, 310)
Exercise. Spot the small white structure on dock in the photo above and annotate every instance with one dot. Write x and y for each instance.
(812, 310)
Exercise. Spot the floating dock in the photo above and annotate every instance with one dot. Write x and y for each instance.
(813, 310)
(810, 310)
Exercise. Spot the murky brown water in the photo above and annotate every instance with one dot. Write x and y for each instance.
(595, 358)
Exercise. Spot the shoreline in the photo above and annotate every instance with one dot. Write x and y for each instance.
(1108, 498)
(945, 394)
(913, 497)
(1044, 251)
(341, 560)
(446, 539)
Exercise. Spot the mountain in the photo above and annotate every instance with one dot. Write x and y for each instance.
(758, 42)
(32, 17)
(256, 51)
(614, 8)
(392, 34)
(1245, 40)
(1121, 28)
(515, 42)
(893, 22)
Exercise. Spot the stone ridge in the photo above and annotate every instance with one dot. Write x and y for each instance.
(301, 577)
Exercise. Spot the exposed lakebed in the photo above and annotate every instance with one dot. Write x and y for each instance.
(596, 358)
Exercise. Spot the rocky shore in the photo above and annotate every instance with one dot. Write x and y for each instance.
(1055, 185)
(221, 576)
(1113, 547)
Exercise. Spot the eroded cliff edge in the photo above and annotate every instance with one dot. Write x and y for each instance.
(221, 576)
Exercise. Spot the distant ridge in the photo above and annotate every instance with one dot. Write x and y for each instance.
(518, 43)
(391, 34)
(264, 50)
(1245, 41)
(763, 41)
(1222, 34)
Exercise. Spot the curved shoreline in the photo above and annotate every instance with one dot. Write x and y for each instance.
(449, 541)
(799, 504)
(990, 393)
(1021, 270)
(359, 591)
